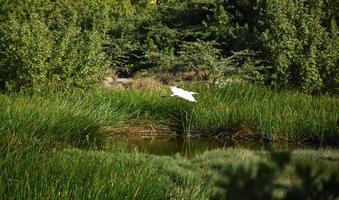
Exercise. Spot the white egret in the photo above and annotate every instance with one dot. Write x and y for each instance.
(183, 94)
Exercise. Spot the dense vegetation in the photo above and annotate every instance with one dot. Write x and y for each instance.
(233, 112)
(50, 171)
(57, 146)
(56, 124)
(66, 43)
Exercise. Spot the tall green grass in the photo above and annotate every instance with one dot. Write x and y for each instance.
(236, 110)
(268, 114)
(76, 174)
(38, 135)
(82, 174)
(91, 174)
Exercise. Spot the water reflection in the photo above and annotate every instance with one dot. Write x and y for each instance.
(191, 146)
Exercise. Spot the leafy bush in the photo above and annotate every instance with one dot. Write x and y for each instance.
(262, 181)
(55, 45)
(292, 44)
(302, 49)
(298, 40)
(199, 56)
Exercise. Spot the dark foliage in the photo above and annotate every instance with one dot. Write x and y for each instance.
(262, 181)
(67, 43)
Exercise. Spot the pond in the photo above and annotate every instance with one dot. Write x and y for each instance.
(189, 147)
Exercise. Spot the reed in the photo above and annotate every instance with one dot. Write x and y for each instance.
(91, 174)
(270, 115)
(235, 111)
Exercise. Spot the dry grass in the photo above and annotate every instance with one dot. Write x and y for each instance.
(139, 128)
(147, 83)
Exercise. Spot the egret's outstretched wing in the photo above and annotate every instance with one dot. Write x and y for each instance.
(190, 98)
(183, 94)
(174, 90)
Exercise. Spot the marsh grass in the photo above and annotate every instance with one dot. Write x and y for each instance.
(268, 114)
(235, 111)
(55, 147)
(240, 111)
(123, 174)
(79, 174)
(37, 118)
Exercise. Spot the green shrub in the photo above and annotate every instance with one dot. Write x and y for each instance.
(261, 181)
(302, 50)
(67, 43)
(25, 50)
(199, 56)
(55, 45)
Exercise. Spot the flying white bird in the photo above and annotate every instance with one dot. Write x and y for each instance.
(183, 94)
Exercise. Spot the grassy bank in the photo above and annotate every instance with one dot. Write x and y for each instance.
(56, 147)
(235, 111)
(91, 174)
(271, 115)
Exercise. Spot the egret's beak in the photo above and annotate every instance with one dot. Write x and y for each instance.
(194, 93)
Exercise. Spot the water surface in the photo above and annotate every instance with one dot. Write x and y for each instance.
(191, 146)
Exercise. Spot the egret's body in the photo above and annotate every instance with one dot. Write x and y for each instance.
(183, 94)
